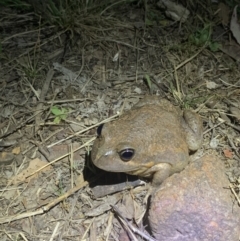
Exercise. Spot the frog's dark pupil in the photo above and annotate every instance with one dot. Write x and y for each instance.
(99, 130)
(127, 154)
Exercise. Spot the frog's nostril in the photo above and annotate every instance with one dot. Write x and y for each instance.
(126, 154)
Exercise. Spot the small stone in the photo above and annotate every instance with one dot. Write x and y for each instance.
(196, 204)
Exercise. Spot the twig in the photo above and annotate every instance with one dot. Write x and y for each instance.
(42, 98)
(45, 208)
(61, 157)
(80, 132)
(235, 194)
(129, 225)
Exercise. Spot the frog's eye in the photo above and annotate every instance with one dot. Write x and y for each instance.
(126, 154)
(99, 130)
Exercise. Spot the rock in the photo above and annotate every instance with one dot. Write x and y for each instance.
(196, 205)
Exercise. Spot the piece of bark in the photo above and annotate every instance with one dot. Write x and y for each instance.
(103, 190)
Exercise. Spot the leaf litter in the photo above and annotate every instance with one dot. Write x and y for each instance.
(98, 67)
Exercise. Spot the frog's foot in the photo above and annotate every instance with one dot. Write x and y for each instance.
(162, 172)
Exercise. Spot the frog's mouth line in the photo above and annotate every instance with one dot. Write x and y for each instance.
(133, 170)
(141, 172)
(144, 170)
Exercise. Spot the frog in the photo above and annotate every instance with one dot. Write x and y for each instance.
(152, 140)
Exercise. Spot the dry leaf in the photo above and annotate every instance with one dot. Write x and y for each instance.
(24, 176)
(232, 50)
(6, 158)
(223, 13)
(99, 209)
(236, 112)
(79, 179)
(126, 208)
(235, 26)
(228, 153)
(16, 150)
(174, 10)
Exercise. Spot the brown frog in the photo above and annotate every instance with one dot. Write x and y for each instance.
(151, 140)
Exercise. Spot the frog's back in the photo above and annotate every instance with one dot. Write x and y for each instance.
(161, 130)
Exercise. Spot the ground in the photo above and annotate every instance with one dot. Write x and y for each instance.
(64, 73)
